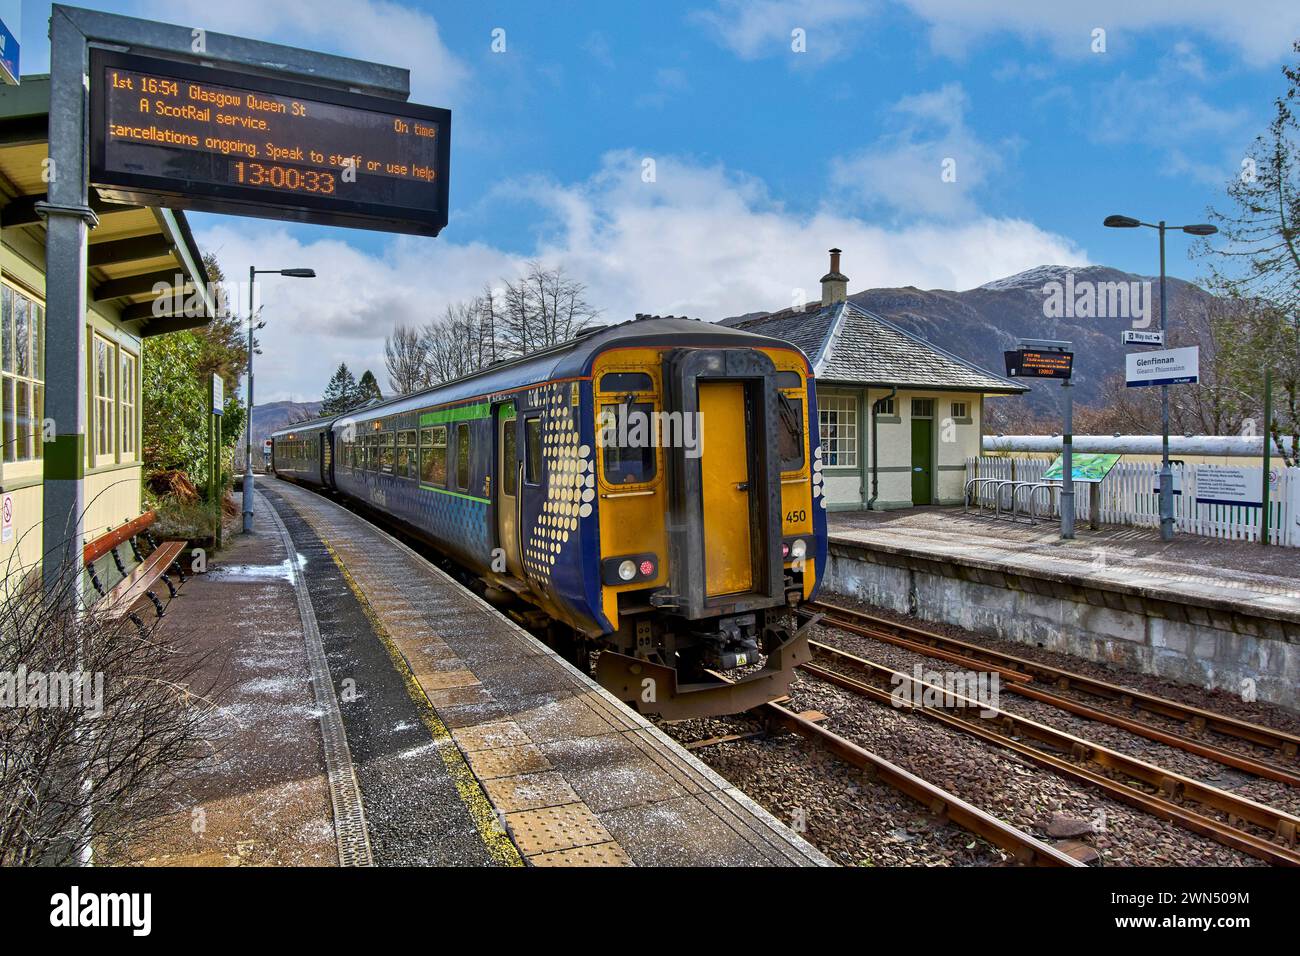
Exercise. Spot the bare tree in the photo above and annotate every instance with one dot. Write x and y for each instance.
(101, 719)
(542, 308)
(406, 356)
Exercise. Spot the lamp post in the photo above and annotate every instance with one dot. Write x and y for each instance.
(1166, 473)
(248, 425)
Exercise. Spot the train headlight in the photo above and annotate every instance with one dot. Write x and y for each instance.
(799, 549)
(627, 570)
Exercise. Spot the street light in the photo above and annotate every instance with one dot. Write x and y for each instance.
(1166, 474)
(248, 426)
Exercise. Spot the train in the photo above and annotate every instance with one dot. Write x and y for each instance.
(648, 494)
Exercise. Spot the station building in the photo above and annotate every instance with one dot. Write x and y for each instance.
(898, 415)
(132, 253)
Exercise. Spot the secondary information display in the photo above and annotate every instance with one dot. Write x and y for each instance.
(195, 137)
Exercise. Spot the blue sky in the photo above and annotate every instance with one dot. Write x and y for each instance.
(764, 156)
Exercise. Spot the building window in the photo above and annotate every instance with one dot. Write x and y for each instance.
(837, 417)
(128, 387)
(923, 408)
(22, 374)
(961, 409)
(885, 406)
(105, 395)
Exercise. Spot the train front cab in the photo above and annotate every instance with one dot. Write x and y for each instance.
(715, 529)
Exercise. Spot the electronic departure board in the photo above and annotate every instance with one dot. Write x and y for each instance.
(193, 137)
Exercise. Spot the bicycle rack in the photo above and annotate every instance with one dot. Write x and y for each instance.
(977, 484)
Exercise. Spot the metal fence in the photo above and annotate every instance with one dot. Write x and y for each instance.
(1129, 496)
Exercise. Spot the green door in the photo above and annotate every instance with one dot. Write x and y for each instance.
(922, 460)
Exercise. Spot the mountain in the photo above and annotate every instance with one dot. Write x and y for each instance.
(1045, 302)
(273, 416)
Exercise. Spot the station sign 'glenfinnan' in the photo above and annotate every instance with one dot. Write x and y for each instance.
(196, 137)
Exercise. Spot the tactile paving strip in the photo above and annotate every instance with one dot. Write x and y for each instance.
(556, 828)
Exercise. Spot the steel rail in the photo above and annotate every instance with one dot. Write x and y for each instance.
(1022, 846)
(1166, 781)
(1009, 665)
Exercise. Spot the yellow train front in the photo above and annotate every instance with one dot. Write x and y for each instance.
(712, 516)
(651, 490)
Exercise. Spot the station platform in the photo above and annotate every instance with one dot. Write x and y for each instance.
(441, 732)
(1207, 611)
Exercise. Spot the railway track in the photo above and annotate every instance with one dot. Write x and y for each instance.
(1077, 759)
(1022, 846)
(1046, 684)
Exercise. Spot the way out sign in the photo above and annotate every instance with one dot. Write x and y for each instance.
(1164, 367)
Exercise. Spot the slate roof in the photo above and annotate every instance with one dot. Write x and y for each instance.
(849, 344)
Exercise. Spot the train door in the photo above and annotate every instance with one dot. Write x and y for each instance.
(507, 486)
(725, 482)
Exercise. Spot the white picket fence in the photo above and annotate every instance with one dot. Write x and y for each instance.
(1128, 496)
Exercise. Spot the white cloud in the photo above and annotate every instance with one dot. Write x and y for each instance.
(756, 28)
(700, 241)
(1262, 33)
(932, 164)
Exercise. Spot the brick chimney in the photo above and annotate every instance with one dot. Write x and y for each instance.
(835, 285)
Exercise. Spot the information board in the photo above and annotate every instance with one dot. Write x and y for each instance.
(1034, 363)
(1229, 485)
(194, 137)
(1086, 467)
(1180, 366)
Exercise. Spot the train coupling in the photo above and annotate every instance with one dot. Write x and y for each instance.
(653, 688)
(734, 644)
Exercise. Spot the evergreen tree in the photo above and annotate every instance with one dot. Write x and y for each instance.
(367, 388)
(340, 393)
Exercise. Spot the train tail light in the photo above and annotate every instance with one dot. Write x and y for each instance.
(629, 569)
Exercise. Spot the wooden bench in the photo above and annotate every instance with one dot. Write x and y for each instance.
(138, 583)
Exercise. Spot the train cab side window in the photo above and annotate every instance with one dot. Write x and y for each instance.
(533, 450)
(621, 382)
(632, 462)
(790, 431)
(462, 456)
(509, 454)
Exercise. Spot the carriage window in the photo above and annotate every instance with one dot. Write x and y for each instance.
(385, 452)
(621, 382)
(790, 433)
(627, 464)
(462, 456)
(533, 450)
(407, 454)
(433, 455)
(509, 451)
